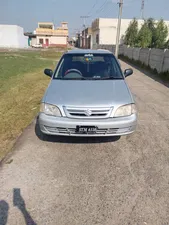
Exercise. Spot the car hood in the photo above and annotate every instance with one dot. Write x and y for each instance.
(87, 93)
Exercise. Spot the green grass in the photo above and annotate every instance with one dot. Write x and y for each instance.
(22, 84)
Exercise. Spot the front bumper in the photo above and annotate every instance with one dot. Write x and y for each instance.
(106, 127)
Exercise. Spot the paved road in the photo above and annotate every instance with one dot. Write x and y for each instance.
(103, 182)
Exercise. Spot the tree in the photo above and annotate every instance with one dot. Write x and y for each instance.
(152, 26)
(144, 36)
(131, 33)
(160, 34)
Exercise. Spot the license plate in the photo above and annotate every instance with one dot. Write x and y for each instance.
(86, 129)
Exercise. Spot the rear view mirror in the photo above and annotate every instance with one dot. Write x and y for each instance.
(48, 72)
(128, 72)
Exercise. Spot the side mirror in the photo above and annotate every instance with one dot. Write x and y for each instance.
(128, 72)
(48, 72)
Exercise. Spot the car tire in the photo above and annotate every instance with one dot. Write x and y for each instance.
(39, 133)
(43, 137)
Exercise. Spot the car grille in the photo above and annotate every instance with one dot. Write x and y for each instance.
(87, 113)
(69, 131)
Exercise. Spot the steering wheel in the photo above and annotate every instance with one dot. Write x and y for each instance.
(73, 70)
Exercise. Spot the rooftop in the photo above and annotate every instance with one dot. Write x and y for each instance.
(47, 23)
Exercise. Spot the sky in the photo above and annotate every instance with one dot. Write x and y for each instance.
(27, 13)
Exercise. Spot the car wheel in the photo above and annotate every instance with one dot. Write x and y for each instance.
(43, 137)
(39, 133)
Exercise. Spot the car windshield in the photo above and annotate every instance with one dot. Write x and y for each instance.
(88, 67)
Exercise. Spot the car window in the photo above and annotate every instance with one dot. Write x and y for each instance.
(88, 66)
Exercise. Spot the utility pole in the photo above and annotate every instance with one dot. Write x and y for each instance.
(118, 28)
(142, 10)
(84, 26)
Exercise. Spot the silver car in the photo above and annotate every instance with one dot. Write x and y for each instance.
(88, 96)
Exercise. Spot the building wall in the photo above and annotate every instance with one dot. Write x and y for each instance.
(44, 39)
(64, 25)
(94, 42)
(58, 40)
(108, 30)
(88, 42)
(33, 41)
(53, 40)
(12, 36)
(49, 29)
(107, 35)
(46, 25)
(86, 38)
(50, 36)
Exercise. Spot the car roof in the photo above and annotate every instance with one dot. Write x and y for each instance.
(88, 51)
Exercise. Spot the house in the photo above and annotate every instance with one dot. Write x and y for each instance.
(78, 40)
(31, 38)
(104, 31)
(47, 35)
(86, 38)
(12, 36)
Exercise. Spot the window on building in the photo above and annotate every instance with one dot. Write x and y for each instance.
(97, 38)
(41, 41)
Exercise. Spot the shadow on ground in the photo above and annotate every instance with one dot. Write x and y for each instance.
(4, 208)
(72, 140)
(148, 74)
(18, 202)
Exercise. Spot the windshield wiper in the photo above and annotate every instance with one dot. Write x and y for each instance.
(78, 78)
(112, 78)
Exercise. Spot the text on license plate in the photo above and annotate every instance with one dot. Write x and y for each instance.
(86, 129)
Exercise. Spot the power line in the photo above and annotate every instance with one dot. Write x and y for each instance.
(84, 20)
(100, 9)
(94, 5)
(106, 8)
(102, 6)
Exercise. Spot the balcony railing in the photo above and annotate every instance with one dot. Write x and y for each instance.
(42, 31)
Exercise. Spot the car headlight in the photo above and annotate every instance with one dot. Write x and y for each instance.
(51, 110)
(125, 110)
